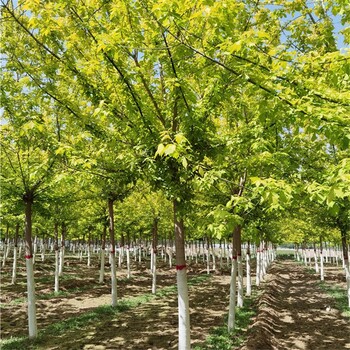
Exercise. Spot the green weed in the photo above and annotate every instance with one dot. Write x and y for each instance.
(340, 297)
(221, 339)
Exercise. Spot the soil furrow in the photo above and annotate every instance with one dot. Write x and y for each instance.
(295, 313)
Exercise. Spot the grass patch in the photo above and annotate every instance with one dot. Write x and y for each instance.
(221, 339)
(14, 302)
(285, 254)
(52, 295)
(18, 343)
(340, 297)
(45, 279)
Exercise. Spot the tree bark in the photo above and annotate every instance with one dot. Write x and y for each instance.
(111, 237)
(182, 287)
(6, 245)
(321, 261)
(14, 266)
(103, 248)
(32, 324)
(249, 278)
(346, 261)
(233, 287)
(154, 254)
(57, 266)
(238, 239)
(62, 251)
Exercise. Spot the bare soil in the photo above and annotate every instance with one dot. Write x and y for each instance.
(293, 310)
(295, 313)
(152, 325)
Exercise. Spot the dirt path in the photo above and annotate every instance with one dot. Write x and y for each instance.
(293, 314)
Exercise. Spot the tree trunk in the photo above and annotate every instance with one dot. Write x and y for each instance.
(316, 259)
(154, 254)
(113, 267)
(57, 265)
(32, 325)
(128, 261)
(6, 245)
(233, 286)
(43, 249)
(14, 266)
(257, 275)
(35, 247)
(208, 256)
(249, 278)
(321, 261)
(182, 287)
(238, 236)
(62, 251)
(346, 261)
(103, 248)
(89, 250)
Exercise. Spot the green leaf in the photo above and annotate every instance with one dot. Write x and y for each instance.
(179, 138)
(169, 149)
(160, 150)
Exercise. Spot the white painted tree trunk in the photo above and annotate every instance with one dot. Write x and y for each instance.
(120, 258)
(5, 255)
(102, 266)
(113, 279)
(220, 257)
(33, 330)
(214, 258)
(257, 276)
(151, 267)
(304, 257)
(20, 250)
(8, 250)
(232, 304)
(249, 277)
(184, 315)
(43, 250)
(208, 261)
(321, 267)
(240, 281)
(61, 260)
(122, 254)
(263, 265)
(170, 258)
(57, 271)
(316, 261)
(128, 262)
(14, 265)
(154, 273)
(88, 255)
(347, 272)
(80, 253)
(35, 248)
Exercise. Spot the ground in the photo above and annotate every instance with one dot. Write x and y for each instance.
(293, 311)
